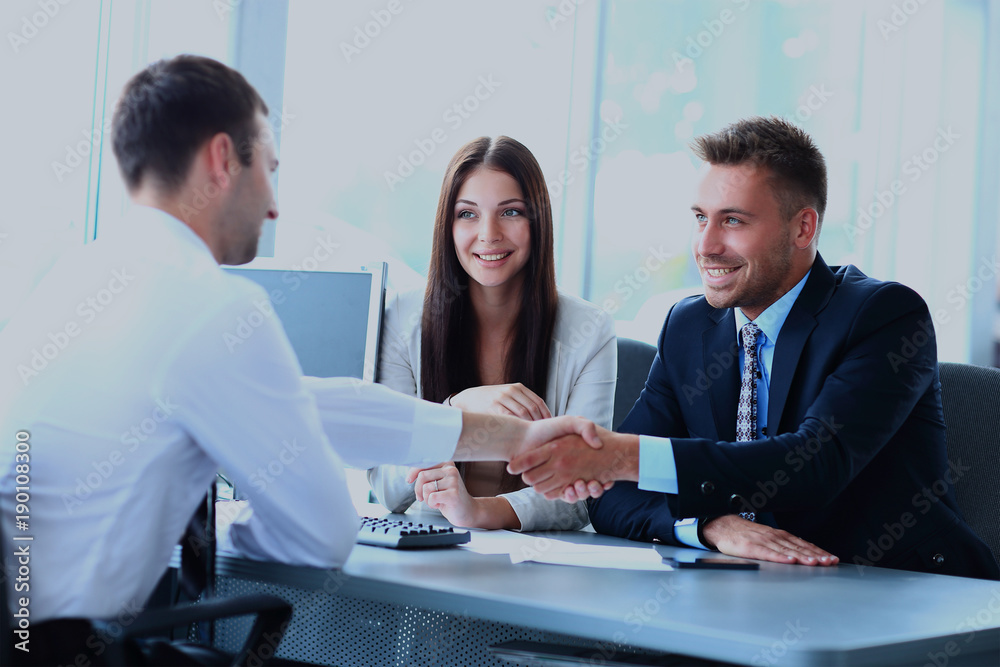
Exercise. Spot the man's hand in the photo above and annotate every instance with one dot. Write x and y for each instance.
(736, 536)
(502, 438)
(581, 431)
(503, 399)
(540, 433)
(556, 469)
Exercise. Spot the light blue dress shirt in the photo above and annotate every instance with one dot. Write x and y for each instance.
(657, 469)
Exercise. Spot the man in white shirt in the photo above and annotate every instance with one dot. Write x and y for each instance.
(119, 397)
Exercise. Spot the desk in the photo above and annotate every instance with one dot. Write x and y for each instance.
(451, 603)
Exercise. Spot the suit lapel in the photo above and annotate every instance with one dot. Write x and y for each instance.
(793, 336)
(720, 356)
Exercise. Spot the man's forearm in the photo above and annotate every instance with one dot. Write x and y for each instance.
(502, 438)
(489, 437)
(624, 456)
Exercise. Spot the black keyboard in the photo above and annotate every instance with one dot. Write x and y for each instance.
(408, 535)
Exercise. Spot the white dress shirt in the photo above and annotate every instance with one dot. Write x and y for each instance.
(139, 367)
(583, 371)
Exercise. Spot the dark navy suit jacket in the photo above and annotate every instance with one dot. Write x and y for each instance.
(855, 461)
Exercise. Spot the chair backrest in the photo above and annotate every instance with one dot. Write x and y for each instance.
(971, 399)
(634, 360)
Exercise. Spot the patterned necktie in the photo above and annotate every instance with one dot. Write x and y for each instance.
(746, 413)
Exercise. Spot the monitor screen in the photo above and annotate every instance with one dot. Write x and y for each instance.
(332, 318)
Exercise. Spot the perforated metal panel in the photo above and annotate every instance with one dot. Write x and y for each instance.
(354, 632)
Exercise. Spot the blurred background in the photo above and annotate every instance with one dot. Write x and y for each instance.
(370, 99)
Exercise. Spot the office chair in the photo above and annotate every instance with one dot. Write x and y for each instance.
(971, 399)
(634, 361)
(272, 615)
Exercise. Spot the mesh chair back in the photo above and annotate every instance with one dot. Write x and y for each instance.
(634, 360)
(971, 399)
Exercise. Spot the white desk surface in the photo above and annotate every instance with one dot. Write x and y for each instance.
(778, 615)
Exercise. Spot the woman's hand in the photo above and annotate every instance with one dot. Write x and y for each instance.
(504, 399)
(443, 489)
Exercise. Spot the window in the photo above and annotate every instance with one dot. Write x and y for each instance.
(372, 99)
(378, 101)
(892, 96)
(52, 137)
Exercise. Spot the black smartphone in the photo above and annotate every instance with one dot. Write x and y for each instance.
(710, 563)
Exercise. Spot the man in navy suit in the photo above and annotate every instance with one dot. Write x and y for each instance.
(840, 439)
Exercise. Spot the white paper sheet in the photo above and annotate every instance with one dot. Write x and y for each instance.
(532, 548)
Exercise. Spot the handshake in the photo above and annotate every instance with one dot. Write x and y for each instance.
(573, 459)
(570, 458)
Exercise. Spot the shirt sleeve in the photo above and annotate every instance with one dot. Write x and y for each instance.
(241, 399)
(657, 470)
(686, 532)
(369, 424)
(389, 485)
(535, 512)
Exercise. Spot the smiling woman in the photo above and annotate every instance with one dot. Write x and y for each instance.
(492, 334)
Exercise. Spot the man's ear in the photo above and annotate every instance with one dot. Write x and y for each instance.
(223, 162)
(806, 223)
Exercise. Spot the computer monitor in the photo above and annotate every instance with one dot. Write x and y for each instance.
(333, 318)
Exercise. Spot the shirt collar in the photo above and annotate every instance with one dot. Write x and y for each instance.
(176, 228)
(771, 320)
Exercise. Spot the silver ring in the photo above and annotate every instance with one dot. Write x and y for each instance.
(437, 487)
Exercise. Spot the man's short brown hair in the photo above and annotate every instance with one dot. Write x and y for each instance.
(173, 106)
(798, 170)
